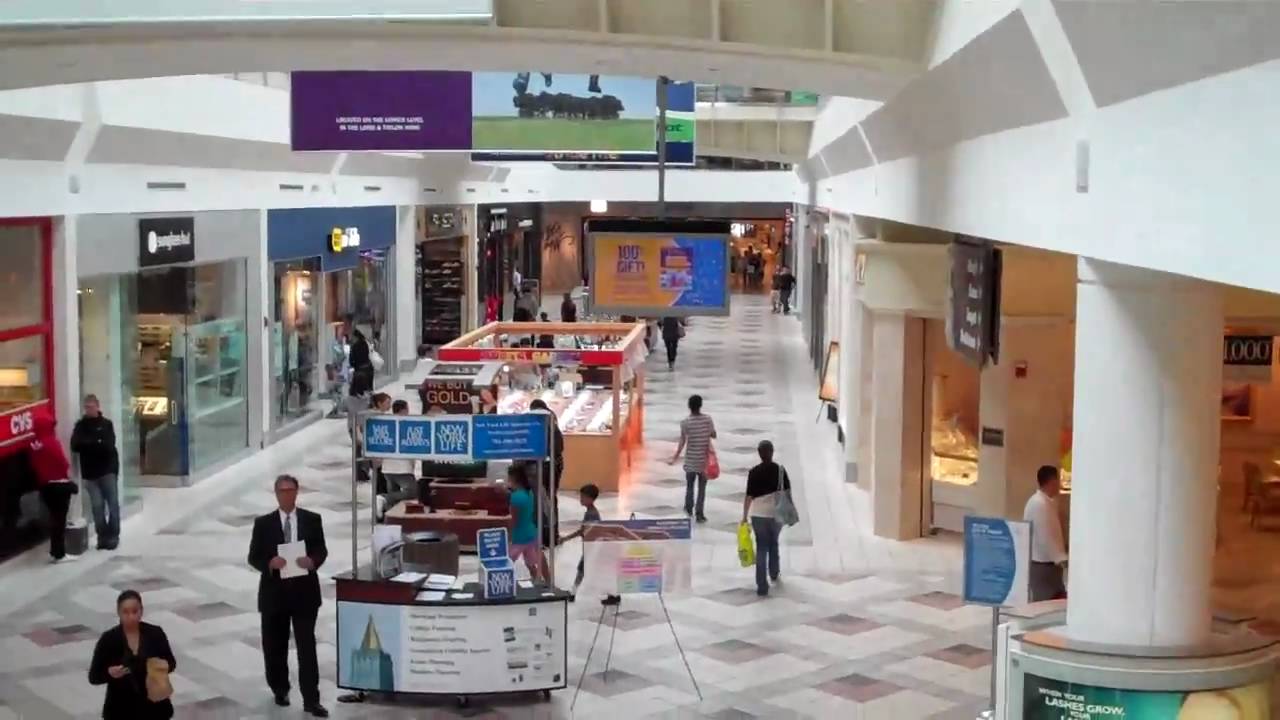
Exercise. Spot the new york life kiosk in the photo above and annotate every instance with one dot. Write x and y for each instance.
(393, 638)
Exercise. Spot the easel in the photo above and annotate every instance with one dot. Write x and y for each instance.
(604, 608)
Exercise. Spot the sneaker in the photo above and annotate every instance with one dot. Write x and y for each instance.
(611, 600)
(701, 519)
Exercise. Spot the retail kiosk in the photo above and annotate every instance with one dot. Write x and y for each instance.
(420, 633)
(591, 377)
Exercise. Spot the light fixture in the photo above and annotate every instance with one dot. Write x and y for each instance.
(14, 378)
(599, 206)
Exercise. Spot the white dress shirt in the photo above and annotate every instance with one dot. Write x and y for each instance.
(1047, 545)
(292, 517)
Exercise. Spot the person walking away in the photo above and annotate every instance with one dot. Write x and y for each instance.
(551, 508)
(786, 283)
(401, 474)
(124, 657)
(568, 309)
(672, 331)
(361, 365)
(696, 433)
(524, 533)
(94, 440)
(289, 596)
(546, 340)
(775, 294)
(1048, 549)
(764, 482)
(53, 473)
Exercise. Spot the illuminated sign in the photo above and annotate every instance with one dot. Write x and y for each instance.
(342, 238)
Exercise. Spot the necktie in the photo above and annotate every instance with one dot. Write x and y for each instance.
(288, 528)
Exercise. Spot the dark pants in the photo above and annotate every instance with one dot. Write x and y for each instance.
(104, 497)
(1046, 582)
(57, 498)
(689, 479)
(766, 530)
(672, 346)
(275, 651)
(786, 300)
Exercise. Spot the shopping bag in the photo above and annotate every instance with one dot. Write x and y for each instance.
(746, 546)
(375, 359)
(159, 688)
(713, 463)
(784, 508)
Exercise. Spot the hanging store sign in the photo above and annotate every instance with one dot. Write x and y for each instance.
(1247, 357)
(659, 273)
(457, 438)
(342, 238)
(973, 299)
(166, 241)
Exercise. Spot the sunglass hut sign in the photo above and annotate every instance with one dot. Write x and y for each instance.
(165, 241)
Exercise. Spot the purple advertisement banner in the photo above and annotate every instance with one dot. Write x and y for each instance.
(379, 110)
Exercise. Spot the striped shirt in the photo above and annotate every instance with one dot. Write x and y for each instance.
(697, 431)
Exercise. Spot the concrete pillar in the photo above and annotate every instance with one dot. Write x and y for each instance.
(897, 426)
(1148, 374)
(66, 336)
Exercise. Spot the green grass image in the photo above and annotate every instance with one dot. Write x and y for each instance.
(508, 133)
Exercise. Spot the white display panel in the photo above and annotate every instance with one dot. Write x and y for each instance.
(452, 649)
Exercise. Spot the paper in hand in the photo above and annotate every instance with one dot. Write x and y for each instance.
(291, 552)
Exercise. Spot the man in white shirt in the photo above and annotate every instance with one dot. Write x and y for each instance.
(1048, 549)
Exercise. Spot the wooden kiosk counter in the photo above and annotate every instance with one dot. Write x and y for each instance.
(598, 394)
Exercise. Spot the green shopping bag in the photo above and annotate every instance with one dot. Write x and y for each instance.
(746, 547)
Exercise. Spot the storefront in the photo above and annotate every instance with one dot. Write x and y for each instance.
(26, 357)
(443, 255)
(511, 241)
(164, 341)
(332, 273)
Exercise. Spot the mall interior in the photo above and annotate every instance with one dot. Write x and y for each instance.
(1008, 234)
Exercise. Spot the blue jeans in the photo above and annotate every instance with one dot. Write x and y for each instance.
(104, 497)
(766, 530)
(689, 480)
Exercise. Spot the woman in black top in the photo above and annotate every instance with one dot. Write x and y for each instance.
(672, 331)
(361, 365)
(120, 663)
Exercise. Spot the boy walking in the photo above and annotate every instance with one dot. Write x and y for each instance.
(587, 495)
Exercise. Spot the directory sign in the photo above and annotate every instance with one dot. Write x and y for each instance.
(997, 561)
(456, 438)
(430, 110)
(657, 274)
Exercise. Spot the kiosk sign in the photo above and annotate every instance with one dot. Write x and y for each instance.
(380, 436)
(414, 437)
(457, 438)
(515, 437)
(997, 561)
(492, 545)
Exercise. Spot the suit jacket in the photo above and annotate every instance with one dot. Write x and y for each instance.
(297, 593)
(127, 696)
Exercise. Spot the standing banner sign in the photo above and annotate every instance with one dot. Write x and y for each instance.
(997, 561)
(638, 556)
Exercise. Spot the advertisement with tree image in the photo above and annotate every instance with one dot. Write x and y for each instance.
(1047, 699)
(545, 111)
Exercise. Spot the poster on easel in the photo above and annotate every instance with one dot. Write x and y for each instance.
(829, 391)
(627, 557)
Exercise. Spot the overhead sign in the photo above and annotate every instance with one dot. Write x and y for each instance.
(638, 556)
(973, 315)
(165, 241)
(430, 110)
(997, 561)
(541, 356)
(655, 274)
(681, 139)
(456, 438)
(342, 238)
(1247, 357)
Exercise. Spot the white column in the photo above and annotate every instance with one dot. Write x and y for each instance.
(1148, 374)
(406, 271)
(896, 426)
(66, 334)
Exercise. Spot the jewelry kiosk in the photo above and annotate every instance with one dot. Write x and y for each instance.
(598, 397)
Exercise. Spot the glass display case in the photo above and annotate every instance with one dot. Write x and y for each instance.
(953, 454)
(589, 410)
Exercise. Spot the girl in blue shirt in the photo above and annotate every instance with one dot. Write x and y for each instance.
(524, 533)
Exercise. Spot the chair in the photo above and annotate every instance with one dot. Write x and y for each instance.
(1264, 498)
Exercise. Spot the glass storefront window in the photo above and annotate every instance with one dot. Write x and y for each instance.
(357, 298)
(293, 339)
(217, 410)
(22, 275)
(22, 364)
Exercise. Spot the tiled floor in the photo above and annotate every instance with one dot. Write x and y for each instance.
(859, 628)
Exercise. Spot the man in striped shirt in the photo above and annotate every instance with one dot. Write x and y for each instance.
(696, 433)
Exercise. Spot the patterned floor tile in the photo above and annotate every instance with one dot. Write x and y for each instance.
(859, 688)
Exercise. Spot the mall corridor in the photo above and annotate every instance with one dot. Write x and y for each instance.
(859, 628)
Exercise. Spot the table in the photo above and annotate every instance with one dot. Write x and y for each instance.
(463, 523)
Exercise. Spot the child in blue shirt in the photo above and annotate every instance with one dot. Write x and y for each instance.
(524, 533)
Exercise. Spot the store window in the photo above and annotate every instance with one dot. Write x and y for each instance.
(217, 415)
(357, 299)
(24, 314)
(953, 387)
(294, 342)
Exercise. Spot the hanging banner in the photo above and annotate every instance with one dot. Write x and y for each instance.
(659, 269)
(436, 110)
(973, 298)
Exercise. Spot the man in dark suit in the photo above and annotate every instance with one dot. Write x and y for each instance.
(292, 601)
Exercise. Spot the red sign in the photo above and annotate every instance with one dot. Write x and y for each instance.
(17, 425)
(542, 356)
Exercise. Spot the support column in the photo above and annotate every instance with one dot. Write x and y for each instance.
(66, 335)
(1148, 374)
(406, 270)
(896, 426)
